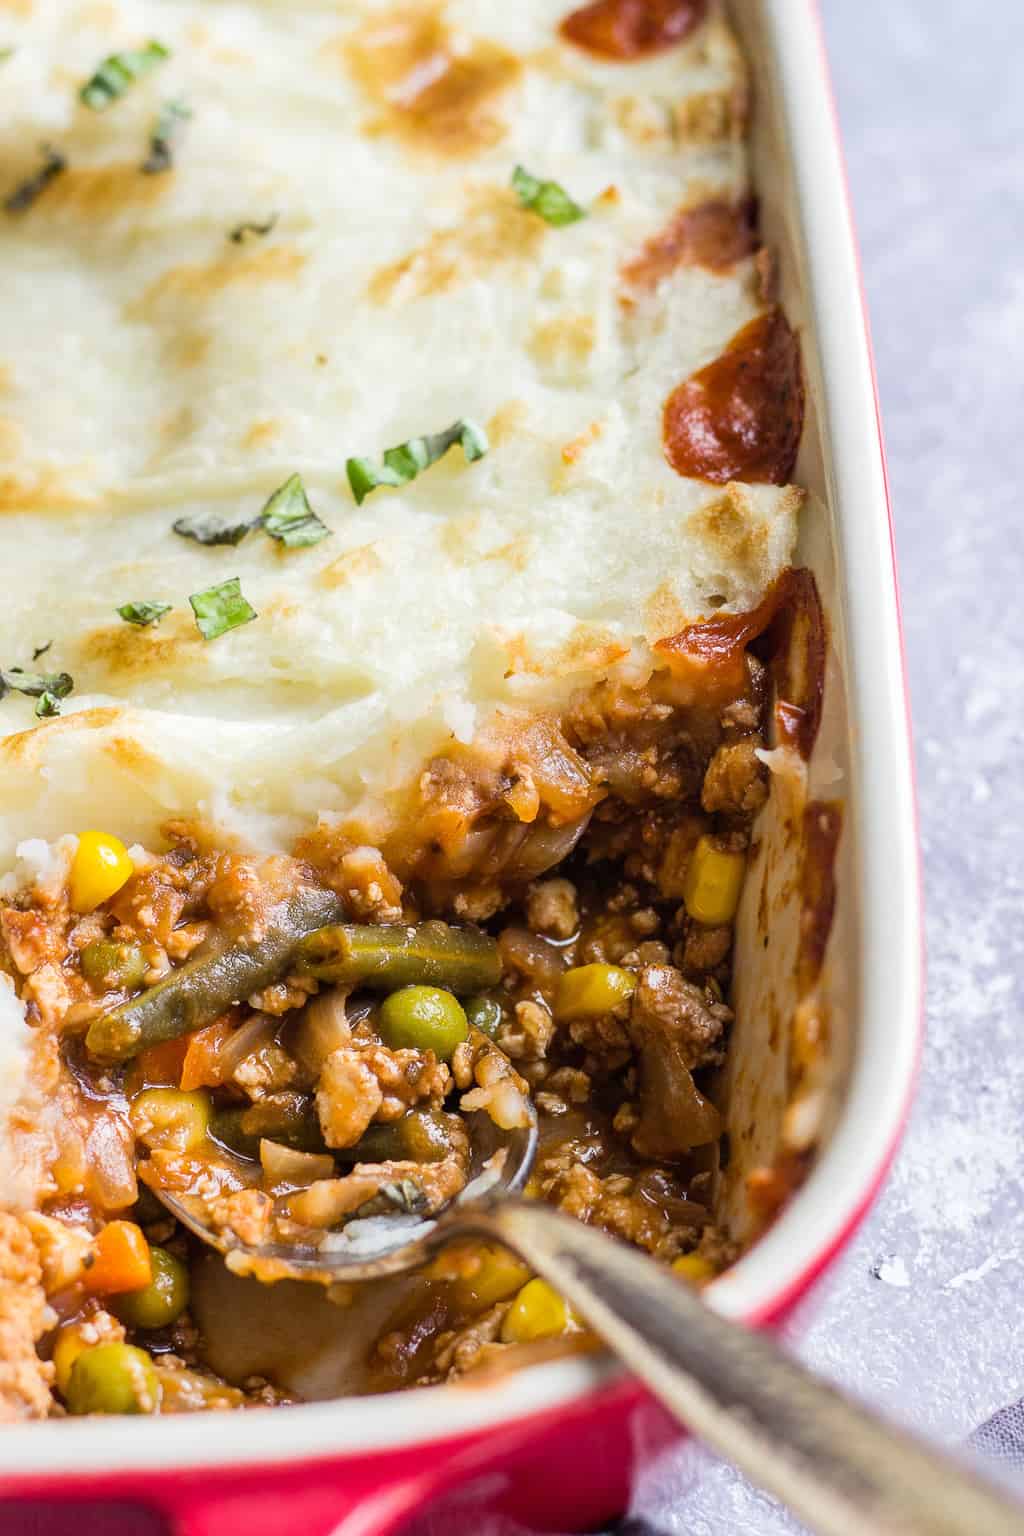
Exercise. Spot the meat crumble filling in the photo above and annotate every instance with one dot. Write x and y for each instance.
(292, 1045)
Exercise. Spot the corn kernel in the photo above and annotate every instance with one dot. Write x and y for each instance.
(538, 1312)
(589, 991)
(694, 1268)
(499, 1274)
(714, 878)
(100, 867)
(67, 1347)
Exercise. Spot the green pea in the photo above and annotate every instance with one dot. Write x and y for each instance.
(423, 1018)
(484, 1012)
(112, 1378)
(105, 963)
(163, 1300)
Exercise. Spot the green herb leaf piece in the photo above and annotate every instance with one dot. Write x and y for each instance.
(546, 198)
(241, 232)
(289, 517)
(35, 684)
(404, 463)
(215, 530)
(405, 1195)
(162, 140)
(220, 608)
(143, 614)
(47, 705)
(118, 72)
(5, 54)
(41, 650)
(25, 194)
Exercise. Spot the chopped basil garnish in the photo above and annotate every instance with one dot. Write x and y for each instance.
(404, 463)
(221, 608)
(546, 198)
(215, 530)
(41, 650)
(241, 232)
(47, 687)
(32, 187)
(118, 72)
(289, 517)
(162, 139)
(143, 614)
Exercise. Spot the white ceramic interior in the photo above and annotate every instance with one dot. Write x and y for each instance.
(873, 967)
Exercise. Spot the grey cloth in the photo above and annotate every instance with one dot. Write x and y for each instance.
(1002, 1437)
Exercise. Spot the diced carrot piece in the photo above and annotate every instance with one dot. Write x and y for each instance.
(160, 1066)
(121, 1260)
(202, 1066)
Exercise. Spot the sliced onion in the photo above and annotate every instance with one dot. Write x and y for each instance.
(110, 1156)
(248, 1037)
(326, 1201)
(544, 847)
(284, 1165)
(537, 961)
(323, 1028)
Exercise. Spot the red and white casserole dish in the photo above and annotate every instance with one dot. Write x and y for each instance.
(554, 1444)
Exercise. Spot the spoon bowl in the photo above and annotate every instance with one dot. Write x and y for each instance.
(371, 1247)
(835, 1463)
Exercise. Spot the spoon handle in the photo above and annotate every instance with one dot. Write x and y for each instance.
(841, 1469)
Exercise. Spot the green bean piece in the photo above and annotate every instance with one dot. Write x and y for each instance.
(421, 1135)
(106, 963)
(484, 1013)
(162, 1301)
(423, 1019)
(242, 1127)
(426, 1136)
(381, 1143)
(392, 955)
(112, 1378)
(195, 993)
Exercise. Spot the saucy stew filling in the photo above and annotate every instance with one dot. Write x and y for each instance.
(291, 1044)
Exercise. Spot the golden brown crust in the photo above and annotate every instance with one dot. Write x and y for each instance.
(432, 90)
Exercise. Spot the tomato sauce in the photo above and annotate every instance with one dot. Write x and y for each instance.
(822, 826)
(712, 650)
(740, 418)
(795, 646)
(715, 235)
(631, 29)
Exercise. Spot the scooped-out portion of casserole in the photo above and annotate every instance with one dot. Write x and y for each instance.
(396, 431)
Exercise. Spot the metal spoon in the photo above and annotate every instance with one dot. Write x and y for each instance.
(840, 1468)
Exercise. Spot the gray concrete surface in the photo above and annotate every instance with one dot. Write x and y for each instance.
(922, 1315)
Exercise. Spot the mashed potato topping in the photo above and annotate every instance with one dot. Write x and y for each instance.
(396, 422)
(384, 280)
